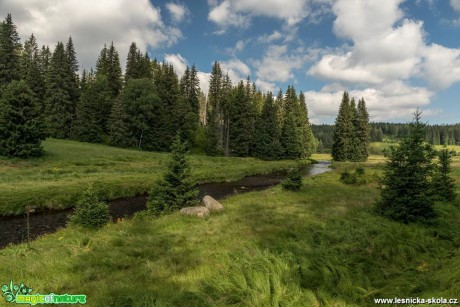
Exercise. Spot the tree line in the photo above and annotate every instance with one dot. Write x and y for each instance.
(44, 95)
(391, 132)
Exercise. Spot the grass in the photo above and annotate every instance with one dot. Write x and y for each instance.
(322, 246)
(55, 180)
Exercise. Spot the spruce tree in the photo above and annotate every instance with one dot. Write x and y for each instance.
(442, 184)
(363, 131)
(343, 131)
(267, 131)
(108, 64)
(138, 65)
(308, 144)
(91, 124)
(134, 118)
(73, 78)
(405, 185)
(215, 113)
(21, 126)
(10, 50)
(241, 126)
(176, 189)
(291, 133)
(353, 152)
(59, 106)
(32, 71)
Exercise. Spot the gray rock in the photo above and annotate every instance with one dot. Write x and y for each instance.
(212, 204)
(195, 211)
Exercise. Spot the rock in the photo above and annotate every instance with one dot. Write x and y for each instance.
(199, 211)
(212, 204)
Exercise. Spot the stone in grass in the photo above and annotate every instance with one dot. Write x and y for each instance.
(212, 204)
(195, 211)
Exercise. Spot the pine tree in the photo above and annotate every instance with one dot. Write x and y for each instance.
(291, 133)
(32, 71)
(10, 50)
(241, 126)
(59, 106)
(290, 138)
(138, 65)
(442, 184)
(267, 131)
(308, 144)
(134, 120)
(108, 64)
(215, 113)
(21, 125)
(102, 63)
(344, 131)
(73, 78)
(353, 153)
(91, 124)
(176, 189)
(405, 185)
(363, 131)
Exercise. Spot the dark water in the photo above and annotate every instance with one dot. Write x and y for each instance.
(14, 229)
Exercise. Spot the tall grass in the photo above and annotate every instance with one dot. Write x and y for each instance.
(321, 246)
(56, 179)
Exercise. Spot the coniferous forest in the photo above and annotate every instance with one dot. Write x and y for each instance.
(143, 108)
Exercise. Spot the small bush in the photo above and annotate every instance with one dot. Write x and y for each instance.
(358, 177)
(90, 211)
(293, 182)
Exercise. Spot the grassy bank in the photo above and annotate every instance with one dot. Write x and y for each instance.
(322, 246)
(56, 179)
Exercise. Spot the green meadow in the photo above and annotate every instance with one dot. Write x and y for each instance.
(55, 180)
(321, 246)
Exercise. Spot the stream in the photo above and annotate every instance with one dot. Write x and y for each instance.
(13, 228)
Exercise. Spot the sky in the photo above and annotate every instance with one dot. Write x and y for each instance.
(398, 55)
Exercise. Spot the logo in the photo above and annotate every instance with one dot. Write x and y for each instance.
(21, 294)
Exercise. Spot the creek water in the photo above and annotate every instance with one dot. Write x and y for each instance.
(14, 229)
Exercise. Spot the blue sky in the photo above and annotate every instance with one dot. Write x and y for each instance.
(396, 54)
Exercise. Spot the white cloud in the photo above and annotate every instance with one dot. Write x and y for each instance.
(266, 86)
(236, 69)
(278, 63)
(455, 4)
(178, 62)
(392, 101)
(441, 66)
(91, 24)
(268, 38)
(178, 11)
(239, 13)
(386, 54)
(204, 81)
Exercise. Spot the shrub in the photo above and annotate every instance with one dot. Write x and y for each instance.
(90, 211)
(358, 177)
(293, 181)
(176, 189)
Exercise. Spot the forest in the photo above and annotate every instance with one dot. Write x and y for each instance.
(143, 108)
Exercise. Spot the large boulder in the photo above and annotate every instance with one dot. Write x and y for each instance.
(195, 211)
(212, 204)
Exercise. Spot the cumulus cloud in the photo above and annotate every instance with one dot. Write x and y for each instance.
(178, 62)
(278, 63)
(393, 100)
(239, 13)
(382, 62)
(268, 38)
(236, 70)
(266, 86)
(91, 24)
(455, 4)
(178, 12)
